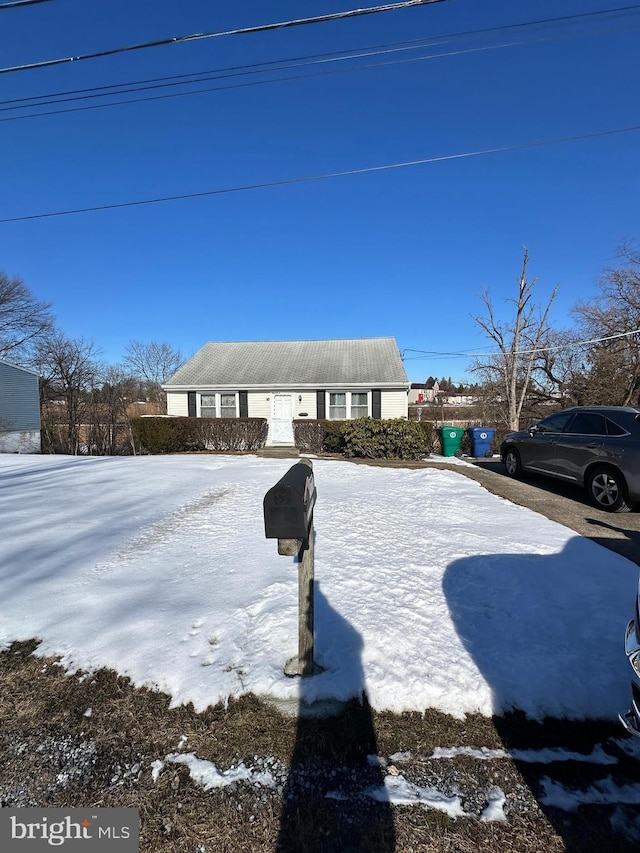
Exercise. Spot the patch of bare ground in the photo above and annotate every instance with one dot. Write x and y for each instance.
(91, 739)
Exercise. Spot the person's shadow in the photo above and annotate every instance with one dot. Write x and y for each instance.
(326, 804)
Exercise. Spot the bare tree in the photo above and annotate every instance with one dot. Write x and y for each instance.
(110, 424)
(565, 363)
(519, 343)
(152, 364)
(612, 319)
(23, 319)
(69, 370)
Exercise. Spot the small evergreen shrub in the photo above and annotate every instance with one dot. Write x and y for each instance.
(385, 439)
(333, 436)
(427, 428)
(466, 444)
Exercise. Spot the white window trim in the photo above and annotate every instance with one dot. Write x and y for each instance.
(218, 407)
(327, 403)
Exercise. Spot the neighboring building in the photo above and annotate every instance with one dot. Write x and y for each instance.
(283, 380)
(19, 409)
(421, 394)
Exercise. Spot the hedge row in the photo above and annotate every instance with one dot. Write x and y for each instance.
(179, 435)
(365, 437)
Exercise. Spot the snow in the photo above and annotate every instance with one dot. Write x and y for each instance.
(397, 790)
(532, 756)
(208, 776)
(494, 810)
(400, 792)
(431, 592)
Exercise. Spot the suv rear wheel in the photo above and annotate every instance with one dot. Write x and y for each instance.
(607, 490)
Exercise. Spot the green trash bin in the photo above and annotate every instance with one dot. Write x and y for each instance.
(451, 438)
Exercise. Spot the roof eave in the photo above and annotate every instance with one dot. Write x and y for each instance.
(20, 367)
(289, 386)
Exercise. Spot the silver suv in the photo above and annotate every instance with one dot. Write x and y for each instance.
(595, 446)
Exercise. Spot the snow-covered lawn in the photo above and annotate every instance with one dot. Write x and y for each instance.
(431, 592)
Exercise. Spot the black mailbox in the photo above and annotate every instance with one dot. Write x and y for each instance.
(288, 506)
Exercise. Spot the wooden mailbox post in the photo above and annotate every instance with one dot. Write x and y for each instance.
(288, 517)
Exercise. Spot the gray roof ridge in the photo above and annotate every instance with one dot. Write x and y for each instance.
(306, 340)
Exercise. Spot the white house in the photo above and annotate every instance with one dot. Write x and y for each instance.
(286, 380)
(19, 409)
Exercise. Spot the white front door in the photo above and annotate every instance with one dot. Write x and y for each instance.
(282, 419)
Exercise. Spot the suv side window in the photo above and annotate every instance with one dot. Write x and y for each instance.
(555, 423)
(614, 429)
(588, 423)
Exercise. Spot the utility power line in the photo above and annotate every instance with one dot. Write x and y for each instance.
(15, 3)
(570, 345)
(251, 69)
(261, 28)
(310, 178)
(232, 86)
(94, 94)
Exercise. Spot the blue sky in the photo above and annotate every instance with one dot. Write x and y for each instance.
(404, 252)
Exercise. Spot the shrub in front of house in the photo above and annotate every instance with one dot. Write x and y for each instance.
(160, 435)
(309, 435)
(318, 436)
(334, 436)
(183, 435)
(427, 428)
(386, 439)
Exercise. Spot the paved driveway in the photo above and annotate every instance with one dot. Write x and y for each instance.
(563, 503)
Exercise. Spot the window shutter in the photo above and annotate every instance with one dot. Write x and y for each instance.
(191, 403)
(244, 404)
(320, 404)
(376, 404)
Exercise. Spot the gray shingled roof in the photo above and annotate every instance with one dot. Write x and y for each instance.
(245, 364)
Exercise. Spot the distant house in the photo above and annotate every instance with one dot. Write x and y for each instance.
(285, 380)
(420, 395)
(19, 409)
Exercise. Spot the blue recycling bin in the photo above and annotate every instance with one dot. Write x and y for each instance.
(481, 438)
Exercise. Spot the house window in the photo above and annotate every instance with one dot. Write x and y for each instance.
(207, 405)
(228, 406)
(359, 404)
(217, 405)
(337, 406)
(346, 405)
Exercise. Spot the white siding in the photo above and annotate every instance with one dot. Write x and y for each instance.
(177, 404)
(259, 404)
(394, 404)
(308, 404)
